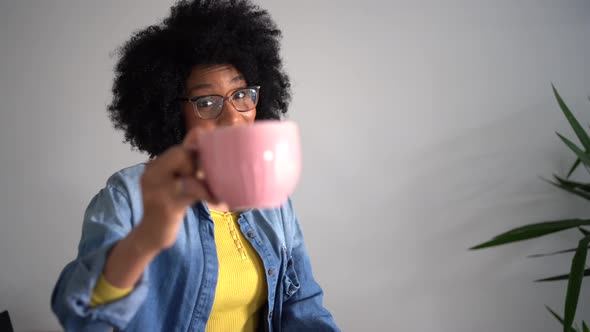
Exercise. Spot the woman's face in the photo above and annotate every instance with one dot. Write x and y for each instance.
(215, 80)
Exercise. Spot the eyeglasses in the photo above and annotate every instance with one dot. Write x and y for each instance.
(209, 107)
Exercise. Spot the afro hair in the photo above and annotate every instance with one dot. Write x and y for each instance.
(156, 61)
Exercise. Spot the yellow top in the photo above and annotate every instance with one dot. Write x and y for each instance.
(104, 292)
(241, 286)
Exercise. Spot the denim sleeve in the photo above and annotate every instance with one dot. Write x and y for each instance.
(303, 309)
(108, 219)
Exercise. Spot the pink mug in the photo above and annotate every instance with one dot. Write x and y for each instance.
(253, 166)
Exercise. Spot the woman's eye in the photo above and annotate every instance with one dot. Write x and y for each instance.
(204, 103)
(239, 95)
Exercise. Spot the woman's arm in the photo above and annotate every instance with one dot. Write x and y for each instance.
(110, 246)
(303, 308)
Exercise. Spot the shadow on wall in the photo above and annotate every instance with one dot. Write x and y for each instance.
(487, 180)
(496, 167)
(470, 186)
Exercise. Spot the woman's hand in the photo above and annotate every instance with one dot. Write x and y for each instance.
(169, 186)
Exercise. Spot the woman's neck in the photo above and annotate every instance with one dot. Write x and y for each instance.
(221, 207)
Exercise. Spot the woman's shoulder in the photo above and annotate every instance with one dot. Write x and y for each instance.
(120, 197)
(126, 179)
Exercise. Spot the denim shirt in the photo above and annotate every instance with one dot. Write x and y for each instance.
(177, 289)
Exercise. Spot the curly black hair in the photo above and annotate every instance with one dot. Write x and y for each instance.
(156, 61)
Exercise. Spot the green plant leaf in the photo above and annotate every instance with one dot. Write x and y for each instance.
(553, 253)
(585, 327)
(570, 189)
(554, 314)
(574, 166)
(531, 231)
(579, 152)
(580, 132)
(574, 284)
(562, 277)
(583, 231)
(572, 184)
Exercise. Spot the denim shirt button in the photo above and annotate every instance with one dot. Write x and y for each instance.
(271, 271)
(270, 315)
(251, 235)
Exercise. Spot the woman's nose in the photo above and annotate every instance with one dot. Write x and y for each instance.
(229, 116)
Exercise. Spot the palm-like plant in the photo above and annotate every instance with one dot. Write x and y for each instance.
(578, 267)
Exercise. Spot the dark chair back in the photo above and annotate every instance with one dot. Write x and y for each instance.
(5, 324)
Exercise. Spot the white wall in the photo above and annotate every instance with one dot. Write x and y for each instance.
(425, 130)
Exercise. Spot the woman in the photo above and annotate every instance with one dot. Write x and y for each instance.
(158, 252)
